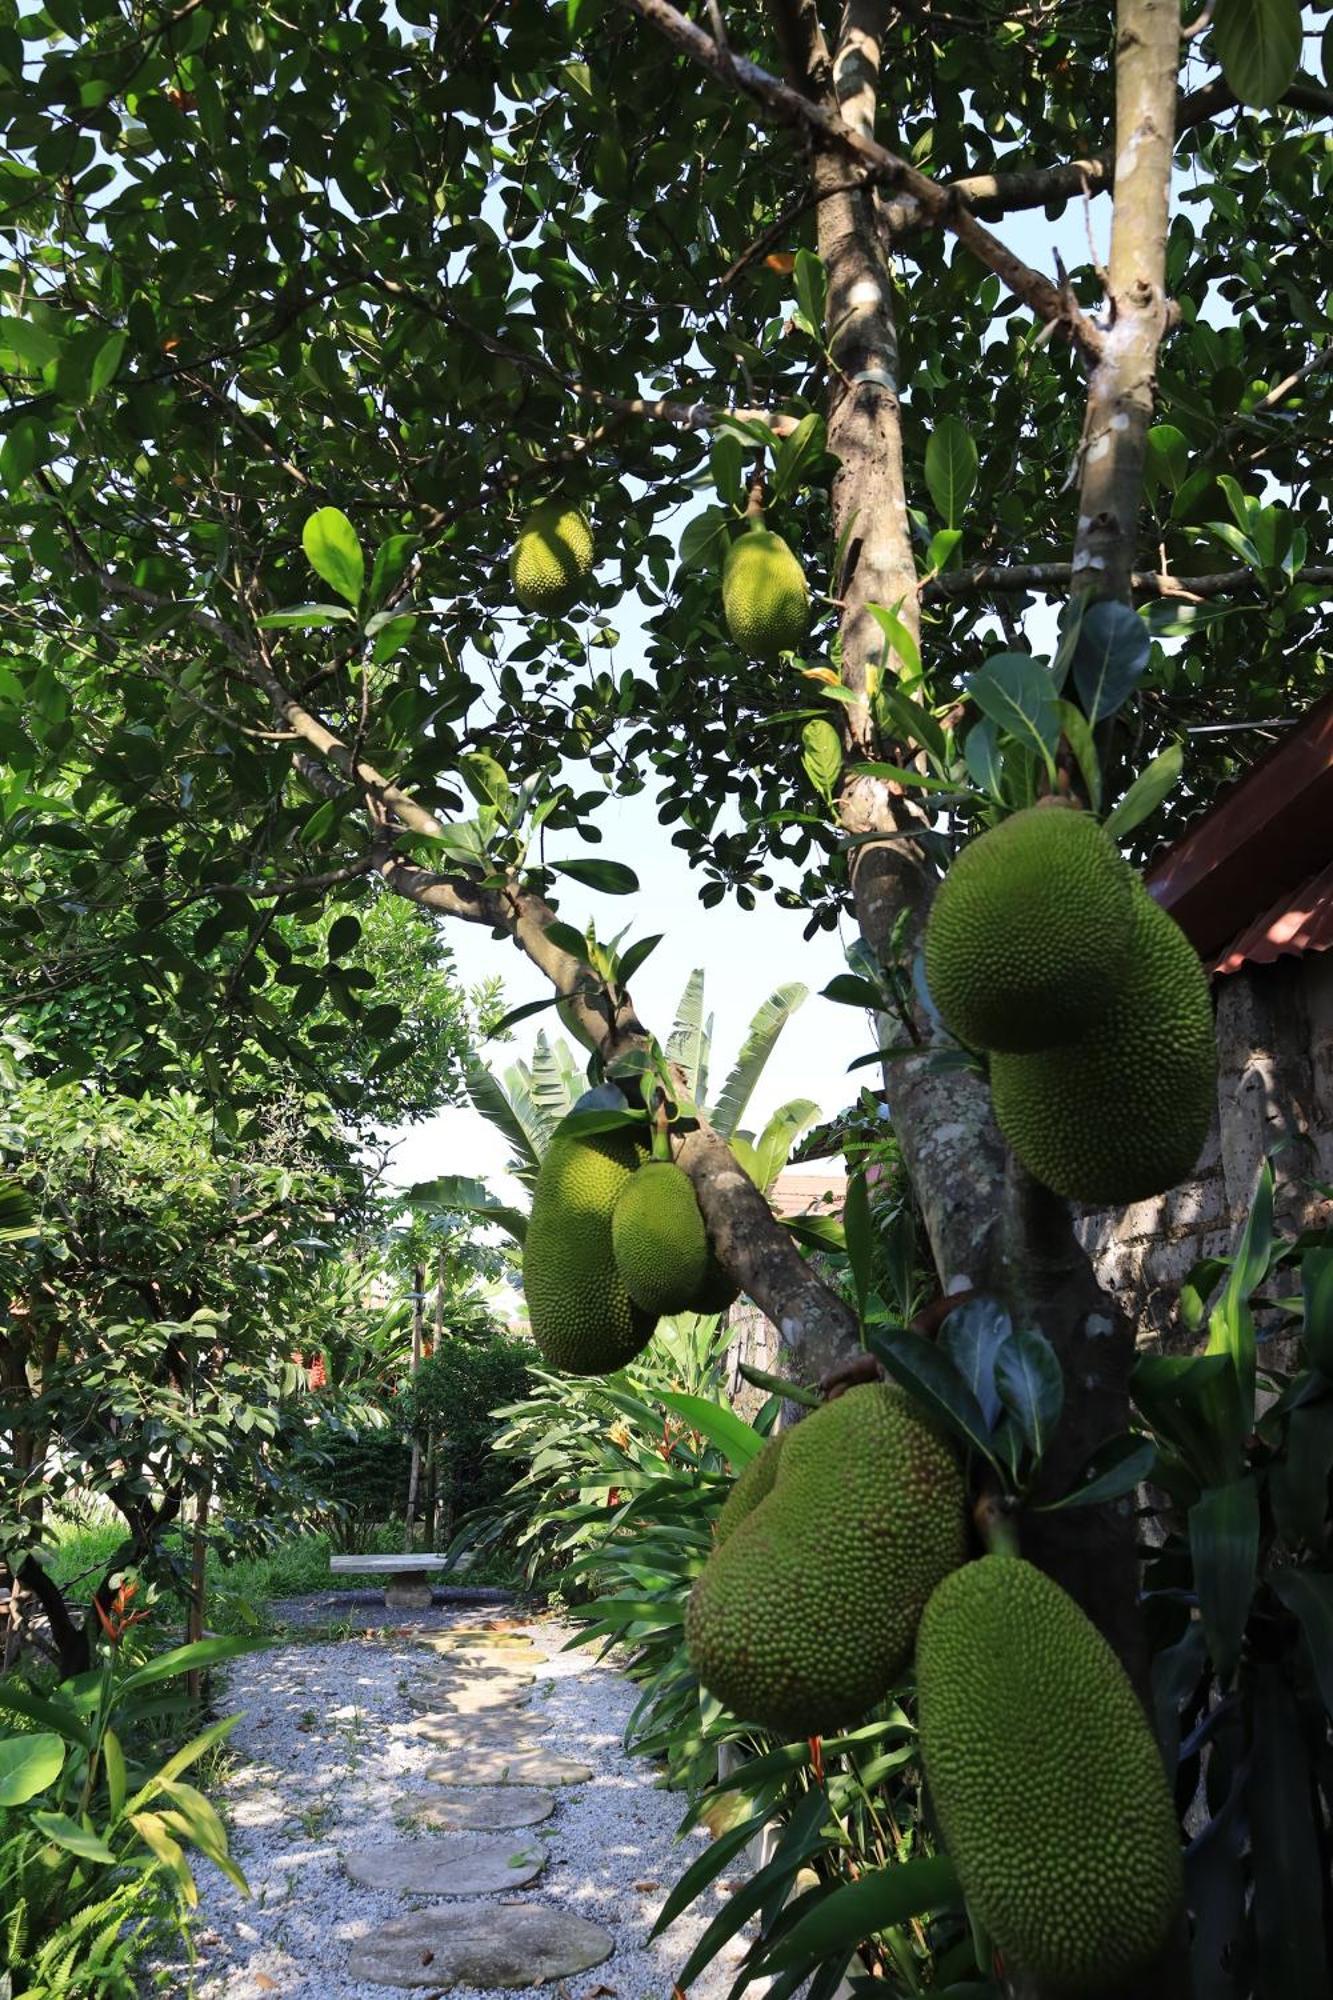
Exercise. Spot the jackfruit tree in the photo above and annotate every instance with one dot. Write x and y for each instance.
(1011, 324)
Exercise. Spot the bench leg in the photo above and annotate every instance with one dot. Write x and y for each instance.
(407, 1593)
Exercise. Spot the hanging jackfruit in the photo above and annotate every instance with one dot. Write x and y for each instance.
(764, 595)
(657, 1232)
(552, 558)
(1030, 931)
(1045, 1778)
(805, 1613)
(582, 1318)
(1124, 1113)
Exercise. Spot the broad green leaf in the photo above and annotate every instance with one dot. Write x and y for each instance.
(1224, 1549)
(704, 541)
(982, 756)
(1290, 1873)
(304, 618)
(1118, 1467)
(1110, 655)
(1258, 43)
(1308, 1595)
(772, 1148)
(1077, 732)
(821, 754)
(334, 553)
(1298, 1477)
(486, 1095)
(190, 1659)
(760, 1041)
(1231, 1322)
(811, 287)
(1317, 1299)
(28, 1764)
(850, 991)
(106, 364)
(688, 1043)
(900, 641)
(1192, 1401)
(972, 1336)
(794, 457)
(1153, 784)
(860, 1238)
(1016, 691)
(117, 1778)
(858, 1910)
(458, 1194)
(613, 878)
(75, 1839)
(930, 1376)
(909, 721)
(734, 1438)
(1031, 1386)
(33, 345)
(1168, 456)
(635, 955)
(951, 469)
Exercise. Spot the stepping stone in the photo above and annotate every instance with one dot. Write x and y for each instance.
(464, 1699)
(501, 1765)
(486, 1810)
(447, 1865)
(461, 1732)
(509, 1944)
(488, 1722)
(484, 1635)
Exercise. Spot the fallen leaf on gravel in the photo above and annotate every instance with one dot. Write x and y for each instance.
(645, 1886)
(269, 1985)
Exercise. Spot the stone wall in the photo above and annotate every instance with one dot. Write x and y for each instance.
(1275, 1096)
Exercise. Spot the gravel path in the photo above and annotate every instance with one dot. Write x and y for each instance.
(326, 1761)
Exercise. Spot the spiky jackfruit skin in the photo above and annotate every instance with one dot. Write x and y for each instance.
(1045, 1777)
(1124, 1114)
(1029, 931)
(717, 1291)
(582, 1318)
(804, 1615)
(764, 595)
(753, 1484)
(659, 1239)
(551, 559)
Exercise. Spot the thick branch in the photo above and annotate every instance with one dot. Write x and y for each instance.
(1053, 580)
(834, 135)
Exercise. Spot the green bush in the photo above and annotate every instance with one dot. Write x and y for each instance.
(454, 1397)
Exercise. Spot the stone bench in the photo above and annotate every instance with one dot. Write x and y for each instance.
(405, 1577)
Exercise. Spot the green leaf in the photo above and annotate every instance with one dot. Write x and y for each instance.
(1116, 1468)
(334, 553)
(972, 1336)
(860, 1238)
(821, 754)
(1224, 1548)
(733, 1437)
(772, 1148)
(795, 455)
(933, 1379)
(1016, 692)
(33, 344)
(703, 543)
(1308, 1595)
(28, 1764)
(901, 776)
(688, 1043)
(113, 1762)
(613, 878)
(881, 1899)
(486, 1095)
(910, 721)
(458, 1194)
(1231, 1322)
(1110, 655)
(981, 754)
(1285, 1839)
(900, 641)
(1077, 732)
(304, 618)
(850, 991)
(1298, 1477)
(517, 1014)
(1191, 1401)
(811, 287)
(1031, 1386)
(1258, 43)
(951, 469)
(1317, 1296)
(758, 1046)
(106, 364)
(76, 1839)
(486, 780)
(190, 1659)
(1147, 792)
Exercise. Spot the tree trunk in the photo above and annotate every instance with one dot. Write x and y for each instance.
(418, 1329)
(194, 1623)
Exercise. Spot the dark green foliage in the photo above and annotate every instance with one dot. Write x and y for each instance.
(456, 1391)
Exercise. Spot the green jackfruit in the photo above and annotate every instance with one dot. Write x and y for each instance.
(1029, 931)
(753, 1484)
(551, 559)
(764, 595)
(1046, 1780)
(582, 1318)
(1124, 1114)
(717, 1291)
(659, 1239)
(804, 1615)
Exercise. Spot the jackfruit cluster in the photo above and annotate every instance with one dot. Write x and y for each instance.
(582, 1317)
(1044, 949)
(764, 595)
(551, 559)
(805, 1613)
(1046, 1781)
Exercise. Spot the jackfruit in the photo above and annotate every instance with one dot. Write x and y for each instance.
(1029, 931)
(753, 1484)
(1124, 1114)
(1047, 1783)
(582, 1318)
(804, 1615)
(764, 595)
(660, 1242)
(717, 1291)
(552, 557)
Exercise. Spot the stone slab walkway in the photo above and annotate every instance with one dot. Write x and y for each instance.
(444, 1807)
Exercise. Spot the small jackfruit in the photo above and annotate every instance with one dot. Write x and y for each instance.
(1123, 1114)
(582, 1318)
(805, 1612)
(1029, 931)
(659, 1239)
(764, 595)
(1046, 1780)
(551, 559)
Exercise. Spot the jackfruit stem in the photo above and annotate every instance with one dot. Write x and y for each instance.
(996, 1525)
(661, 1142)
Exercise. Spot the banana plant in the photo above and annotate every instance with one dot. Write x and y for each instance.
(530, 1100)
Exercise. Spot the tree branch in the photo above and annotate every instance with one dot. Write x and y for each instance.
(832, 134)
(1053, 580)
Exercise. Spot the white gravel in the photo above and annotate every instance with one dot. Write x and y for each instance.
(324, 1758)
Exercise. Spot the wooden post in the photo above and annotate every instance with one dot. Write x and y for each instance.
(418, 1329)
(194, 1618)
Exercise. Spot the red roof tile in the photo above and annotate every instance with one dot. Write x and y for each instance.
(1298, 922)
